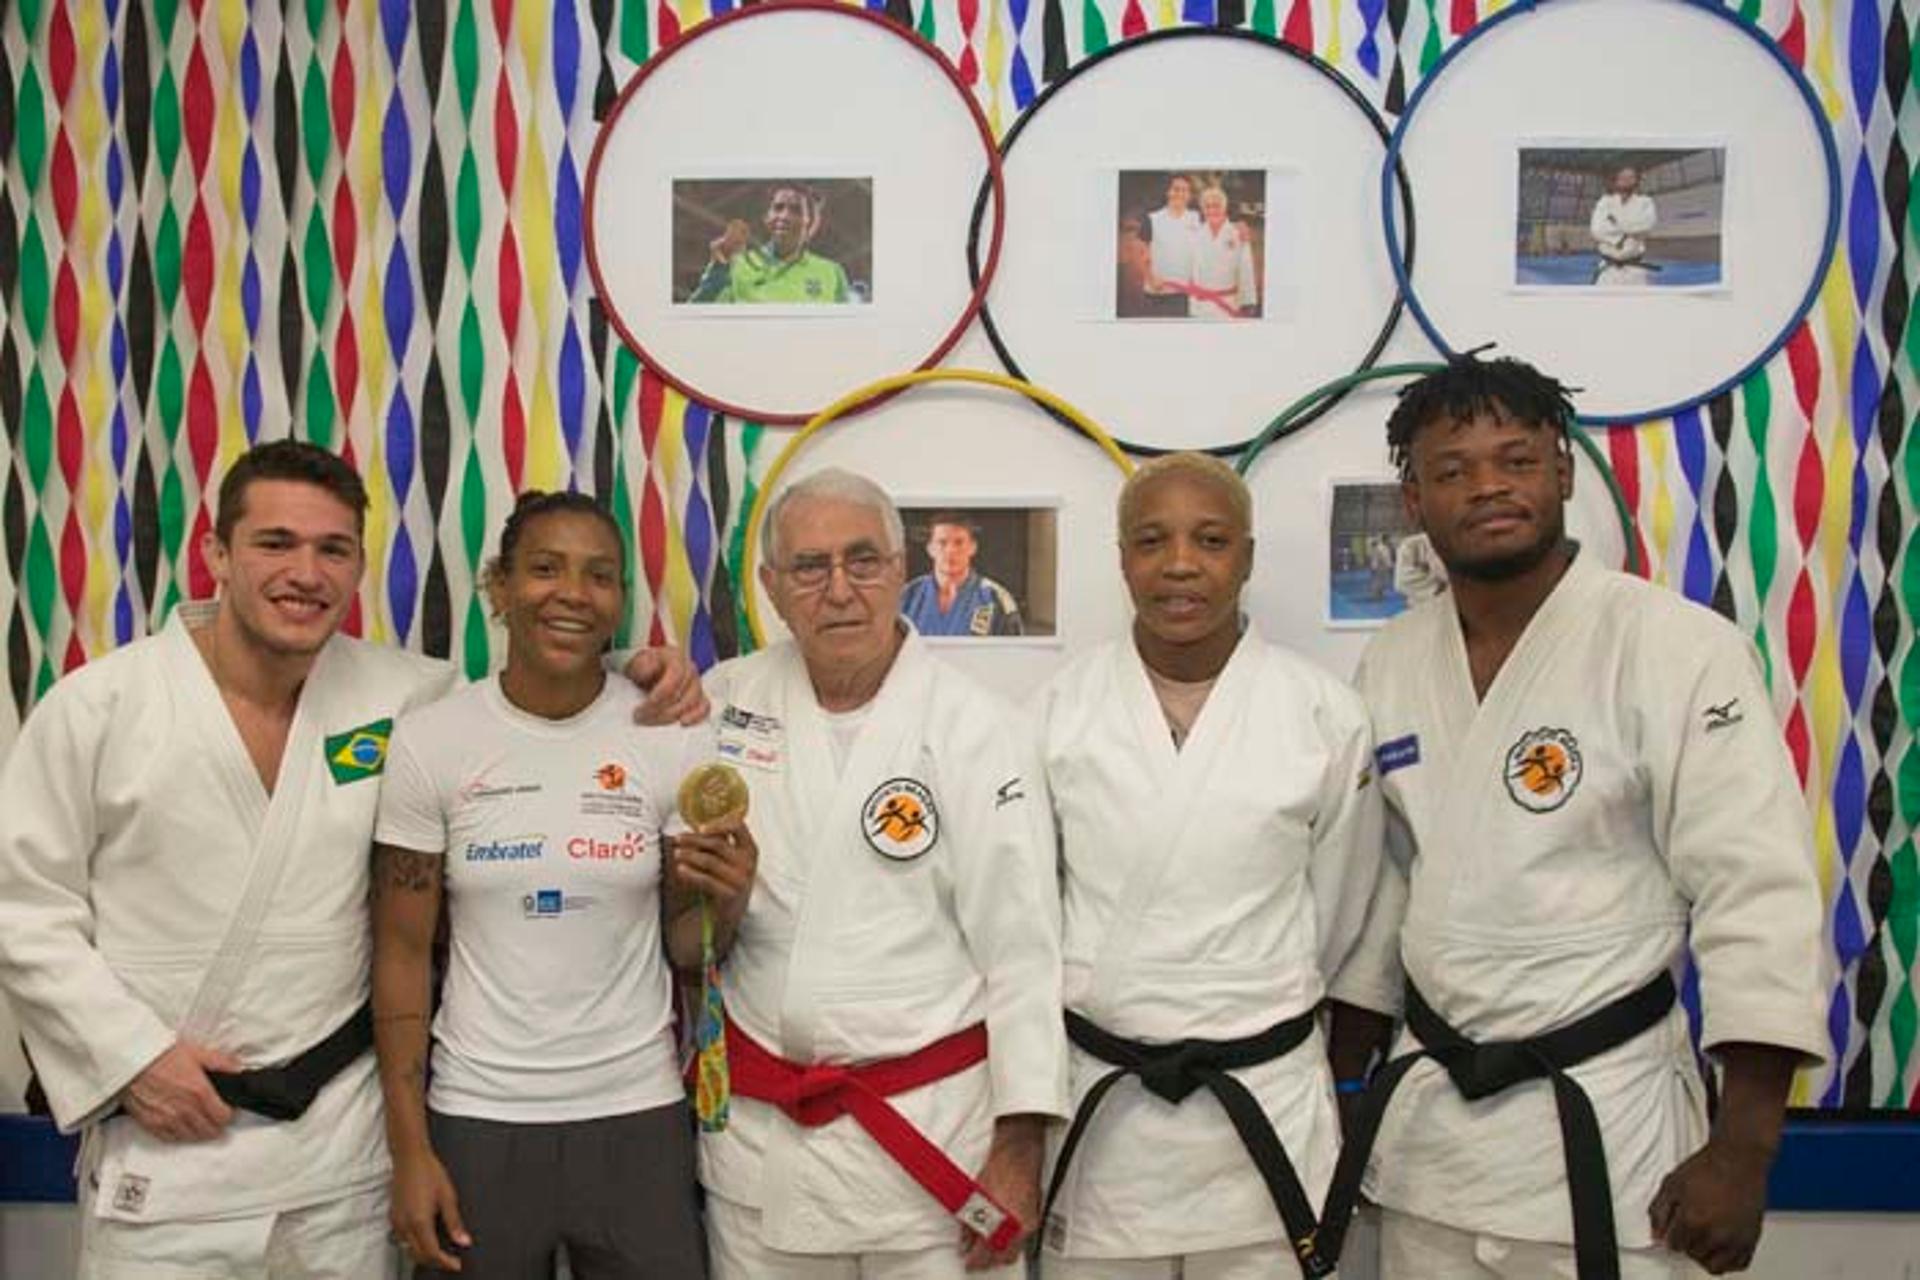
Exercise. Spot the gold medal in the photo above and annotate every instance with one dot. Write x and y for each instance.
(711, 794)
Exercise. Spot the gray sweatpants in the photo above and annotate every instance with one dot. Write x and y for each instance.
(618, 1192)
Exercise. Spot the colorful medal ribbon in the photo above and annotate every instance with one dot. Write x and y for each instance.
(709, 795)
(712, 1085)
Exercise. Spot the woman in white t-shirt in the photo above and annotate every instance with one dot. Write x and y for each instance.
(534, 806)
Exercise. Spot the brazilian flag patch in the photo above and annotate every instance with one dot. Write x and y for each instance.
(359, 753)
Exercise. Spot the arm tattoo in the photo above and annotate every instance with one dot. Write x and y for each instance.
(405, 869)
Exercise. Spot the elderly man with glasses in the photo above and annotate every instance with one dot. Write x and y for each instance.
(893, 993)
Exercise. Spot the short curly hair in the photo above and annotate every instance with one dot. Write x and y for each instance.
(533, 504)
(1469, 387)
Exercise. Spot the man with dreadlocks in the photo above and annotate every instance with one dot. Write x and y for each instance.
(1583, 777)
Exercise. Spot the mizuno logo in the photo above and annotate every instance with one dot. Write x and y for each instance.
(1724, 716)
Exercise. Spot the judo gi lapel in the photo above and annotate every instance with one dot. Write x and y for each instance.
(270, 825)
(895, 711)
(1534, 657)
(1478, 735)
(832, 831)
(809, 775)
(1180, 781)
(222, 756)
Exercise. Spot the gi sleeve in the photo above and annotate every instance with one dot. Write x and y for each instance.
(714, 285)
(88, 1035)
(1729, 816)
(438, 678)
(1601, 225)
(412, 815)
(1370, 977)
(1006, 613)
(1008, 906)
(1347, 832)
(1248, 282)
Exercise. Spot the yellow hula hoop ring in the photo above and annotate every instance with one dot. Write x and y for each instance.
(861, 396)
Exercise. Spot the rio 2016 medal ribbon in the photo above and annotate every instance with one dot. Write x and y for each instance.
(710, 795)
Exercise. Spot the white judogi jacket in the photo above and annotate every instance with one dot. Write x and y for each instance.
(1622, 791)
(849, 954)
(1620, 228)
(1223, 264)
(135, 835)
(1207, 892)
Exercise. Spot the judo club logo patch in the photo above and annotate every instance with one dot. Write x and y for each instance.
(359, 753)
(1543, 770)
(899, 820)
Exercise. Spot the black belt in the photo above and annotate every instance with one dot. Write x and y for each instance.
(1482, 1070)
(1173, 1072)
(286, 1091)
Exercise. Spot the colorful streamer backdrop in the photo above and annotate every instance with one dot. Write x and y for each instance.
(360, 220)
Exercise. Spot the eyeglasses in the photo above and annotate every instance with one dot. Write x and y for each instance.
(863, 566)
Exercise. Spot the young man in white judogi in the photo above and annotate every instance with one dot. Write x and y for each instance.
(1220, 837)
(1584, 777)
(893, 991)
(183, 886)
(1622, 219)
(1171, 232)
(1417, 572)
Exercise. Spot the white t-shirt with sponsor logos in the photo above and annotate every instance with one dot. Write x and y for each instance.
(557, 1004)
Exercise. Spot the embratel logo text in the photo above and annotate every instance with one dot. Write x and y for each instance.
(512, 849)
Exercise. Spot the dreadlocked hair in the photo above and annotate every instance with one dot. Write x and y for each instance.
(533, 504)
(1469, 387)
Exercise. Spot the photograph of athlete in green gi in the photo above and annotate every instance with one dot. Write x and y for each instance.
(793, 241)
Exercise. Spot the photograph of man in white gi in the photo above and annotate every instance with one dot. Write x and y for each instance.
(183, 900)
(1220, 837)
(1584, 779)
(893, 991)
(1622, 219)
(1172, 230)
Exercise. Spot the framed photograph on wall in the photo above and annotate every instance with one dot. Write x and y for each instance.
(1623, 218)
(1378, 561)
(981, 570)
(775, 244)
(1190, 243)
